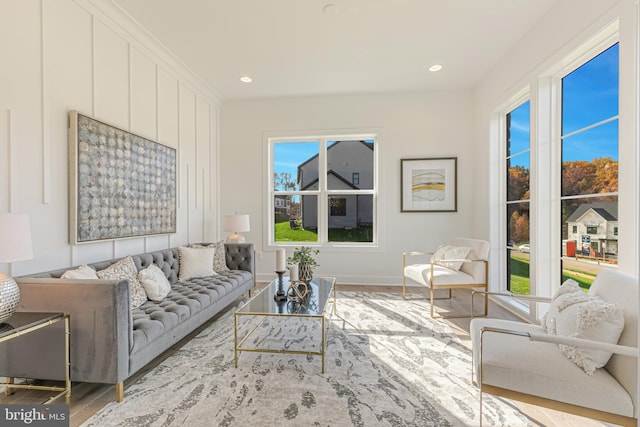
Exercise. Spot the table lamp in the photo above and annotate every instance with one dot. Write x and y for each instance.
(237, 223)
(15, 245)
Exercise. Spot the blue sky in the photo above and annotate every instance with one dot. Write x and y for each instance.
(288, 155)
(589, 96)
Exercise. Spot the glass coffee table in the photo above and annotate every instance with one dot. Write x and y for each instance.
(319, 305)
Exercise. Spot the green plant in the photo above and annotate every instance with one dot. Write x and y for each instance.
(304, 254)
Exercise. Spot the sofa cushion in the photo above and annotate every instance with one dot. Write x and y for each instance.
(126, 269)
(195, 262)
(154, 282)
(82, 272)
(153, 319)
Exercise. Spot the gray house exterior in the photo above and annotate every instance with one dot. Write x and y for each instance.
(349, 167)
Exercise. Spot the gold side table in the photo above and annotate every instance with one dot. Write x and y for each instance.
(22, 323)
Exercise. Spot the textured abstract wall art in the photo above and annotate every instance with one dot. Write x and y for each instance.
(121, 185)
(428, 185)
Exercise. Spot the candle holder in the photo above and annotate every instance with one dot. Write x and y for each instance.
(280, 295)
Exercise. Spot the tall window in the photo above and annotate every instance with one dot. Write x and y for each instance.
(589, 187)
(330, 184)
(518, 199)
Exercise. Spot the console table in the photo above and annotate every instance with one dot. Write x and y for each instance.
(22, 323)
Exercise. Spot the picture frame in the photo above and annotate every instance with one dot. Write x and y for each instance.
(429, 185)
(121, 185)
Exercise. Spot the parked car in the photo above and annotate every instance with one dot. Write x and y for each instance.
(524, 248)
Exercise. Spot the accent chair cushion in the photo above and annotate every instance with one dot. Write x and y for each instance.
(195, 262)
(450, 252)
(155, 283)
(82, 272)
(126, 269)
(421, 273)
(516, 363)
(573, 313)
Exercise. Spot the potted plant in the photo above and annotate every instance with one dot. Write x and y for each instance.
(304, 257)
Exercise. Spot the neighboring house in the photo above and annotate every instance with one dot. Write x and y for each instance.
(349, 167)
(282, 207)
(594, 228)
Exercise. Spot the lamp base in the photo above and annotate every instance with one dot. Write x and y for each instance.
(9, 297)
(236, 238)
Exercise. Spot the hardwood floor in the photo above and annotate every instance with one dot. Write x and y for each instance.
(88, 398)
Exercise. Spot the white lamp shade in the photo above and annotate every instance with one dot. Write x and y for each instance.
(236, 223)
(15, 238)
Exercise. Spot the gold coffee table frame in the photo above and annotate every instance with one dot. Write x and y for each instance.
(28, 322)
(262, 306)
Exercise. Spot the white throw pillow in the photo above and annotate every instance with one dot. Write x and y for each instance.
(449, 252)
(219, 257)
(593, 319)
(568, 293)
(126, 269)
(82, 272)
(195, 262)
(155, 283)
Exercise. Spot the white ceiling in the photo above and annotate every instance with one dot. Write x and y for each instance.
(316, 47)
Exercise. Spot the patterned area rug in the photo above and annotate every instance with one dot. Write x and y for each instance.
(387, 363)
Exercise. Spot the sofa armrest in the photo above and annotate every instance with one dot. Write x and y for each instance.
(101, 323)
(240, 256)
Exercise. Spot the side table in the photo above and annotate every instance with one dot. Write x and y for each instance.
(22, 323)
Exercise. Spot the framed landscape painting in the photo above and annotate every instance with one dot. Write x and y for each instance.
(429, 185)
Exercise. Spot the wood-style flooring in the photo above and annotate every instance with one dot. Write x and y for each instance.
(87, 399)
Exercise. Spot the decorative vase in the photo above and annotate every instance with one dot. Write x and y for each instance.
(9, 297)
(305, 273)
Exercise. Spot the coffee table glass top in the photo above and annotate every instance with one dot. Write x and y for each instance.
(315, 303)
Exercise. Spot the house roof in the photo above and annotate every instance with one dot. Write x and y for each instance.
(607, 210)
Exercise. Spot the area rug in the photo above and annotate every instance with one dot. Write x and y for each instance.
(387, 364)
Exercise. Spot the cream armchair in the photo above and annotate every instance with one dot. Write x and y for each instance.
(443, 274)
(521, 361)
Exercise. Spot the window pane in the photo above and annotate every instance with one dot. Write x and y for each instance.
(590, 161)
(517, 224)
(296, 218)
(518, 266)
(295, 165)
(590, 93)
(518, 130)
(351, 218)
(590, 237)
(518, 177)
(350, 165)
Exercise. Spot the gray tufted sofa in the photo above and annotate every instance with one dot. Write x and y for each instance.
(109, 340)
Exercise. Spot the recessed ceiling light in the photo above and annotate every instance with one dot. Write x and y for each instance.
(246, 79)
(435, 67)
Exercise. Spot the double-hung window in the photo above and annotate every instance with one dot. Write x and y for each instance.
(517, 198)
(589, 168)
(329, 184)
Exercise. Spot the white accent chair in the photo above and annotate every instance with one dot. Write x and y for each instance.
(473, 273)
(521, 361)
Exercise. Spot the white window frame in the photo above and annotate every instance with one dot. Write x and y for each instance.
(544, 91)
(323, 192)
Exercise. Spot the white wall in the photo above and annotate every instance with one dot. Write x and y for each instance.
(67, 55)
(569, 25)
(417, 125)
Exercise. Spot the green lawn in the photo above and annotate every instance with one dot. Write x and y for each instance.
(284, 233)
(520, 282)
